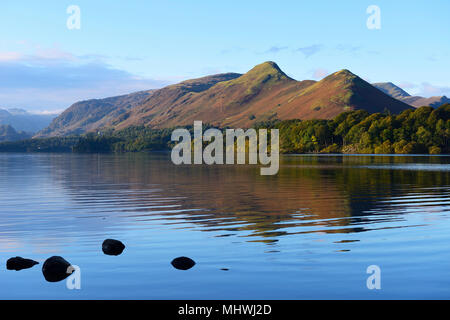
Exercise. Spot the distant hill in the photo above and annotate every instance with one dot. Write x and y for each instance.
(434, 102)
(415, 101)
(8, 133)
(392, 90)
(24, 121)
(263, 93)
(92, 114)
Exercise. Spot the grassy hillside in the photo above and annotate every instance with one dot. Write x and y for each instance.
(264, 93)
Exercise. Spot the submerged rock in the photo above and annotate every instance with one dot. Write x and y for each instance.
(56, 268)
(183, 263)
(19, 263)
(112, 247)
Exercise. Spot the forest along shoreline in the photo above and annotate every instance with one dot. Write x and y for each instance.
(424, 130)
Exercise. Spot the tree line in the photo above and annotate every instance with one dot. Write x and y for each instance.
(417, 131)
(423, 130)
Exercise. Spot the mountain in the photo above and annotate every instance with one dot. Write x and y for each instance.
(339, 92)
(434, 102)
(230, 100)
(8, 133)
(263, 93)
(415, 101)
(92, 114)
(24, 121)
(167, 105)
(98, 113)
(392, 90)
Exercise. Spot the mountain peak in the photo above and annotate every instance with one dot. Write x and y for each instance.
(268, 67)
(345, 72)
(343, 75)
(265, 73)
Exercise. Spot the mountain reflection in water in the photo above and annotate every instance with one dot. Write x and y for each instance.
(54, 201)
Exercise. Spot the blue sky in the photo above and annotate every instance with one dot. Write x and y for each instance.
(125, 46)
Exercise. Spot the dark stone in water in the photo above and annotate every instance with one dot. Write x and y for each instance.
(19, 263)
(183, 263)
(112, 247)
(56, 268)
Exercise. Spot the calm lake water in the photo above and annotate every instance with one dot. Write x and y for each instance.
(309, 232)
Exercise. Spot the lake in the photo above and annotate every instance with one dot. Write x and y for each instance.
(309, 232)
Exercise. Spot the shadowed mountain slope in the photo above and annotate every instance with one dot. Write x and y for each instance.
(392, 90)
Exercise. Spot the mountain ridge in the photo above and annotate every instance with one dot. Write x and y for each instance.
(8, 133)
(415, 101)
(263, 93)
(391, 89)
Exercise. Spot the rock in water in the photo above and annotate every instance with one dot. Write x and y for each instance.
(19, 263)
(183, 263)
(112, 247)
(56, 268)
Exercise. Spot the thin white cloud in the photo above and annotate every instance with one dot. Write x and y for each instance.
(47, 112)
(428, 90)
